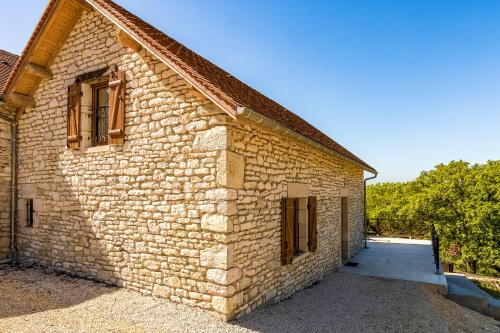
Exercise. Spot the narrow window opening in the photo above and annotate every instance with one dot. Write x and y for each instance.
(344, 220)
(29, 211)
(100, 110)
(300, 227)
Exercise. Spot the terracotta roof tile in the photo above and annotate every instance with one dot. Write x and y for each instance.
(7, 64)
(223, 88)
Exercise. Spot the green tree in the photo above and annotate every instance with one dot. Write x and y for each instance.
(461, 200)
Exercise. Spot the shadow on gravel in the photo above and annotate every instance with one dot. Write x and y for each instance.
(27, 290)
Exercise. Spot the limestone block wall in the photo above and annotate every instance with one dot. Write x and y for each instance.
(150, 214)
(5, 174)
(188, 208)
(271, 162)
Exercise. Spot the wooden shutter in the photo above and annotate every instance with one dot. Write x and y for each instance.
(288, 216)
(73, 122)
(116, 115)
(312, 220)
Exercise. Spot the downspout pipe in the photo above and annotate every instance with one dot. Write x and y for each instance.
(364, 207)
(13, 190)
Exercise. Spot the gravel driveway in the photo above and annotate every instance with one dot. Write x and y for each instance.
(36, 300)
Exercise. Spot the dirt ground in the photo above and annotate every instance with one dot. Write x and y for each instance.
(37, 300)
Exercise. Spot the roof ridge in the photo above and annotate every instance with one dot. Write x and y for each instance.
(220, 86)
(209, 76)
(8, 61)
(9, 53)
(169, 46)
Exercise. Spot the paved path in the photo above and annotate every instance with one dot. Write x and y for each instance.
(397, 258)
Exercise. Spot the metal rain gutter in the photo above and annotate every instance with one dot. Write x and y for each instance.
(258, 118)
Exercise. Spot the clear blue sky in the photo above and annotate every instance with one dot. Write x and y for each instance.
(403, 84)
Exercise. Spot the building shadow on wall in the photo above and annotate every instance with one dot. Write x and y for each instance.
(68, 228)
(89, 207)
(69, 245)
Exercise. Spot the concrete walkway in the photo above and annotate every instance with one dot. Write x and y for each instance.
(397, 258)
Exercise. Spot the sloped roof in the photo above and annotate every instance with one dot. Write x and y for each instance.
(7, 64)
(221, 87)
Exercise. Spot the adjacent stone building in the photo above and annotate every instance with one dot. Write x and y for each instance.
(5, 187)
(7, 63)
(142, 164)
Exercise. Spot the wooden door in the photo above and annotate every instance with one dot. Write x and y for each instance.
(345, 228)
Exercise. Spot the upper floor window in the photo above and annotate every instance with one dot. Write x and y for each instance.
(100, 114)
(96, 109)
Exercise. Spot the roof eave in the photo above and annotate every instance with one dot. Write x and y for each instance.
(48, 12)
(245, 112)
(228, 108)
(18, 69)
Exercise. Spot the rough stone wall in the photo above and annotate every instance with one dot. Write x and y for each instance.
(271, 161)
(189, 207)
(150, 214)
(5, 174)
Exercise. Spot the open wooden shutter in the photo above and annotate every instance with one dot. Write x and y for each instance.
(73, 125)
(312, 218)
(288, 216)
(116, 115)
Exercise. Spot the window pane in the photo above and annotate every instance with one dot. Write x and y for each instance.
(102, 97)
(101, 103)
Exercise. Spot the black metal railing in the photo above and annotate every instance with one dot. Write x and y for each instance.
(407, 228)
(100, 125)
(435, 248)
(397, 227)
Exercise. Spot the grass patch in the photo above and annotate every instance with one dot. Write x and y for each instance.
(490, 287)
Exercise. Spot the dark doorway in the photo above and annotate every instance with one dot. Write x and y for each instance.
(345, 228)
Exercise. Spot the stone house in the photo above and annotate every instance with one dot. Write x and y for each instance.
(142, 164)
